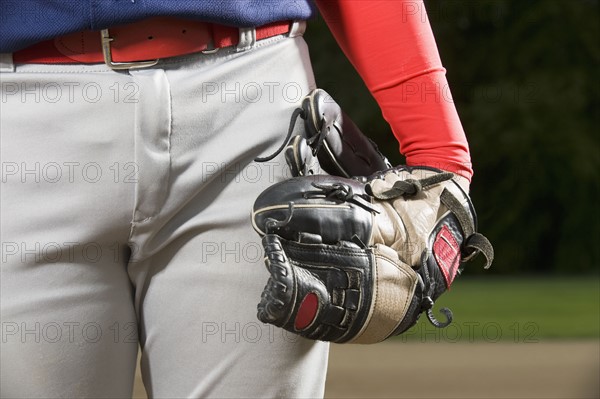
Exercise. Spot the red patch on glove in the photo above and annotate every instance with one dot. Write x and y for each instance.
(447, 254)
(307, 311)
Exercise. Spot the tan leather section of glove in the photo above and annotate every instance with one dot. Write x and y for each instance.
(394, 287)
(404, 223)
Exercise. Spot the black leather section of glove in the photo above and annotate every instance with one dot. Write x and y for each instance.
(340, 277)
(329, 214)
(342, 149)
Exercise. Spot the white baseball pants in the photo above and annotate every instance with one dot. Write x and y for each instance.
(125, 221)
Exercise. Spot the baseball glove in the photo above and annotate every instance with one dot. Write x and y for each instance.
(357, 260)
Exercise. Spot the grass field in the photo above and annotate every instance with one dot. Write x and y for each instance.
(516, 309)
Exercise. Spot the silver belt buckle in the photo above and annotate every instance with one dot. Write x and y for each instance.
(106, 51)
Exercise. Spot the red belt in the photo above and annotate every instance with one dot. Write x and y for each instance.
(141, 44)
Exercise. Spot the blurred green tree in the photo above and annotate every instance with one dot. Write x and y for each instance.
(524, 78)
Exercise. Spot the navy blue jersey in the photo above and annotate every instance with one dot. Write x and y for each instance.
(25, 22)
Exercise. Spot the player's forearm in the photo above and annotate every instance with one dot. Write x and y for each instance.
(391, 45)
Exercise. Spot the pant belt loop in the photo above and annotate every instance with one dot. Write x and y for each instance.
(6, 62)
(247, 39)
(298, 28)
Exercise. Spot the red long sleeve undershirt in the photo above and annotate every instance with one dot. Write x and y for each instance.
(392, 47)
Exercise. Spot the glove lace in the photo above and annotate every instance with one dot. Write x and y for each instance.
(339, 192)
(298, 112)
(318, 138)
(410, 187)
(427, 301)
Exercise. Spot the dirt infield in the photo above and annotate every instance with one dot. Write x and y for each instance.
(547, 369)
(466, 370)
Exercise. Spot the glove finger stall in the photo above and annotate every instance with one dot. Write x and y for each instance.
(319, 213)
